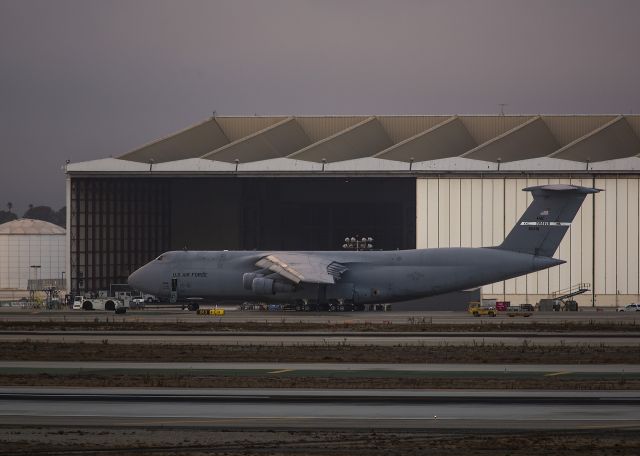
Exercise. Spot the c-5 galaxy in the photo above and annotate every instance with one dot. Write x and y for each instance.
(327, 280)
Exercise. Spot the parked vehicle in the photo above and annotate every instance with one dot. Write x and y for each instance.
(112, 304)
(478, 310)
(519, 311)
(630, 308)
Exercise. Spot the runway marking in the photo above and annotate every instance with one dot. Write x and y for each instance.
(281, 371)
(554, 374)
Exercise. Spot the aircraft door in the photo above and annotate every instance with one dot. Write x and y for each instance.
(173, 296)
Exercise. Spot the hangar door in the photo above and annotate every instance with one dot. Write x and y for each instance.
(314, 213)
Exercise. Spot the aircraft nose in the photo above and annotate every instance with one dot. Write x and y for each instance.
(138, 280)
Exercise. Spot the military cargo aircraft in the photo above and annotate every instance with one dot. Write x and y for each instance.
(326, 280)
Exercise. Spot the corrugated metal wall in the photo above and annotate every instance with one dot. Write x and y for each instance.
(474, 212)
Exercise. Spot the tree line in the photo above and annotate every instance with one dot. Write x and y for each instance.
(45, 213)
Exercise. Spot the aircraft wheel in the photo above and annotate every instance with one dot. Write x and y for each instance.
(87, 305)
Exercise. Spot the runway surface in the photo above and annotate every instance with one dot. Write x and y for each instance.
(324, 338)
(232, 316)
(237, 408)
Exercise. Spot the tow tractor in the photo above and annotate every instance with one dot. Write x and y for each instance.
(113, 304)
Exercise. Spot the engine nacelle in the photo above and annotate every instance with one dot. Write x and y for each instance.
(248, 278)
(264, 286)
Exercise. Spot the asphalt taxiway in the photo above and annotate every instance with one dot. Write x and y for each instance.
(240, 408)
(168, 315)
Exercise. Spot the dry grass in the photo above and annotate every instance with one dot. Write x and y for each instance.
(191, 442)
(129, 323)
(285, 381)
(527, 353)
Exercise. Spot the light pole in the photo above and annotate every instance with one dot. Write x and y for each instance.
(357, 243)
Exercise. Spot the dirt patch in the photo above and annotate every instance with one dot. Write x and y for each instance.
(413, 325)
(527, 353)
(292, 381)
(191, 442)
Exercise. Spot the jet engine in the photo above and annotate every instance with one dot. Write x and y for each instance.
(248, 278)
(265, 286)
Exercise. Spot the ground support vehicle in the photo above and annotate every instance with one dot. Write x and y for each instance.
(112, 304)
(519, 311)
(478, 310)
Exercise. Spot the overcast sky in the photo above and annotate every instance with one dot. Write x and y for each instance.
(86, 79)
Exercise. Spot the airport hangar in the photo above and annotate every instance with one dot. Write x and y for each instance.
(307, 182)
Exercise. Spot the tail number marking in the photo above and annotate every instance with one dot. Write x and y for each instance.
(546, 223)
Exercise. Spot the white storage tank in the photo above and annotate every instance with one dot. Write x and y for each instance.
(30, 249)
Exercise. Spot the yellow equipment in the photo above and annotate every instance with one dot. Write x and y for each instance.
(477, 310)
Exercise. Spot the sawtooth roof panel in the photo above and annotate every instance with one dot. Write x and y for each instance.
(400, 128)
(615, 139)
(318, 128)
(529, 140)
(446, 139)
(194, 141)
(278, 140)
(580, 138)
(238, 127)
(567, 129)
(361, 140)
(484, 128)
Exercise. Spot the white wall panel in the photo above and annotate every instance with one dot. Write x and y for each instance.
(479, 212)
(511, 216)
(476, 211)
(587, 234)
(521, 206)
(466, 225)
(498, 222)
(444, 210)
(454, 213)
(621, 232)
(600, 238)
(432, 211)
(633, 203)
(422, 213)
(486, 218)
(575, 244)
(611, 263)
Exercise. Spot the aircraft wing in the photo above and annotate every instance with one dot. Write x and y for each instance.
(302, 267)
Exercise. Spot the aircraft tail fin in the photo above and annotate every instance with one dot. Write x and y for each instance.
(547, 219)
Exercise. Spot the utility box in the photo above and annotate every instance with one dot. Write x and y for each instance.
(549, 305)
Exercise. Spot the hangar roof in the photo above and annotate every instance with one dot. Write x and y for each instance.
(465, 142)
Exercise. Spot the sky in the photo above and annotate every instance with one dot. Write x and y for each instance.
(87, 79)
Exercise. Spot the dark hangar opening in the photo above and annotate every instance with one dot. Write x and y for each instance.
(119, 224)
(292, 213)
